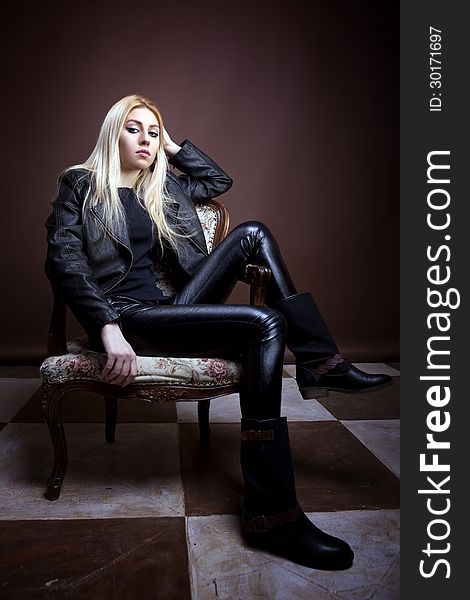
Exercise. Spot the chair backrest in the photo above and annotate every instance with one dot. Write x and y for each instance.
(215, 222)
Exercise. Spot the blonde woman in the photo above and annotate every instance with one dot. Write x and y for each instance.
(121, 212)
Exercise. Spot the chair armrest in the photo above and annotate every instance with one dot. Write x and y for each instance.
(257, 277)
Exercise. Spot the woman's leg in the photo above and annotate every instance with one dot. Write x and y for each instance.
(250, 334)
(250, 242)
(272, 518)
(319, 365)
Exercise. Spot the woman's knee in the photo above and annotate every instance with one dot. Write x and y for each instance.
(253, 228)
(252, 236)
(270, 322)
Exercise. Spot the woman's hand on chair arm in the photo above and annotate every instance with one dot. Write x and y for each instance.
(121, 365)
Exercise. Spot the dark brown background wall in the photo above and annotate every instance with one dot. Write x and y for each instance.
(299, 103)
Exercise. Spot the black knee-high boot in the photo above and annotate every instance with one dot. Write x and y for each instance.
(272, 518)
(319, 366)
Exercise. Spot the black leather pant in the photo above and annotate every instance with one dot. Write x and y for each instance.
(197, 325)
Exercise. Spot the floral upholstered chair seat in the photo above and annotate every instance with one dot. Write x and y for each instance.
(82, 363)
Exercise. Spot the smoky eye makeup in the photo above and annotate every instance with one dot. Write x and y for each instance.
(134, 126)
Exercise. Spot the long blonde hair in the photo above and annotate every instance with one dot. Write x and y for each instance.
(105, 167)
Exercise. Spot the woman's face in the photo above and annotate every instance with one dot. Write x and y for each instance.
(138, 140)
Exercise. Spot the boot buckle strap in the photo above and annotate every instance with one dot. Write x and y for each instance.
(256, 435)
(331, 363)
(262, 523)
(258, 524)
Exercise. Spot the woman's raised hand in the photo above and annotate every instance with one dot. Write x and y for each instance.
(169, 145)
(121, 366)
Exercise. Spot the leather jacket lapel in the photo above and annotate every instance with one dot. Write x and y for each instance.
(121, 234)
(184, 220)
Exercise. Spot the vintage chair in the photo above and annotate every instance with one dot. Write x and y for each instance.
(73, 366)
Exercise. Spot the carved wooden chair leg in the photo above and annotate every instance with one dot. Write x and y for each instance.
(111, 405)
(203, 407)
(51, 407)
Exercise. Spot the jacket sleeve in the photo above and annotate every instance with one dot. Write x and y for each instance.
(202, 178)
(66, 264)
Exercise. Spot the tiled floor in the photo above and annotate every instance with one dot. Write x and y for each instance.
(155, 515)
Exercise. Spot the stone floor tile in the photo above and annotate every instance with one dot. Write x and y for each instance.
(86, 407)
(333, 470)
(376, 368)
(375, 538)
(290, 370)
(295, 408)
(91, 559)
(226, 409)
(137, 476)
(239, 571)
(14, 393)
(211, 476)
(389, 587)
(242, 572)
(379, 404)
(382, 438)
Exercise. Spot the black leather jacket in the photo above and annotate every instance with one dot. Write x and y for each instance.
(83, 264)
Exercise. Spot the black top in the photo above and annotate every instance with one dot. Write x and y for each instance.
(140, 281)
